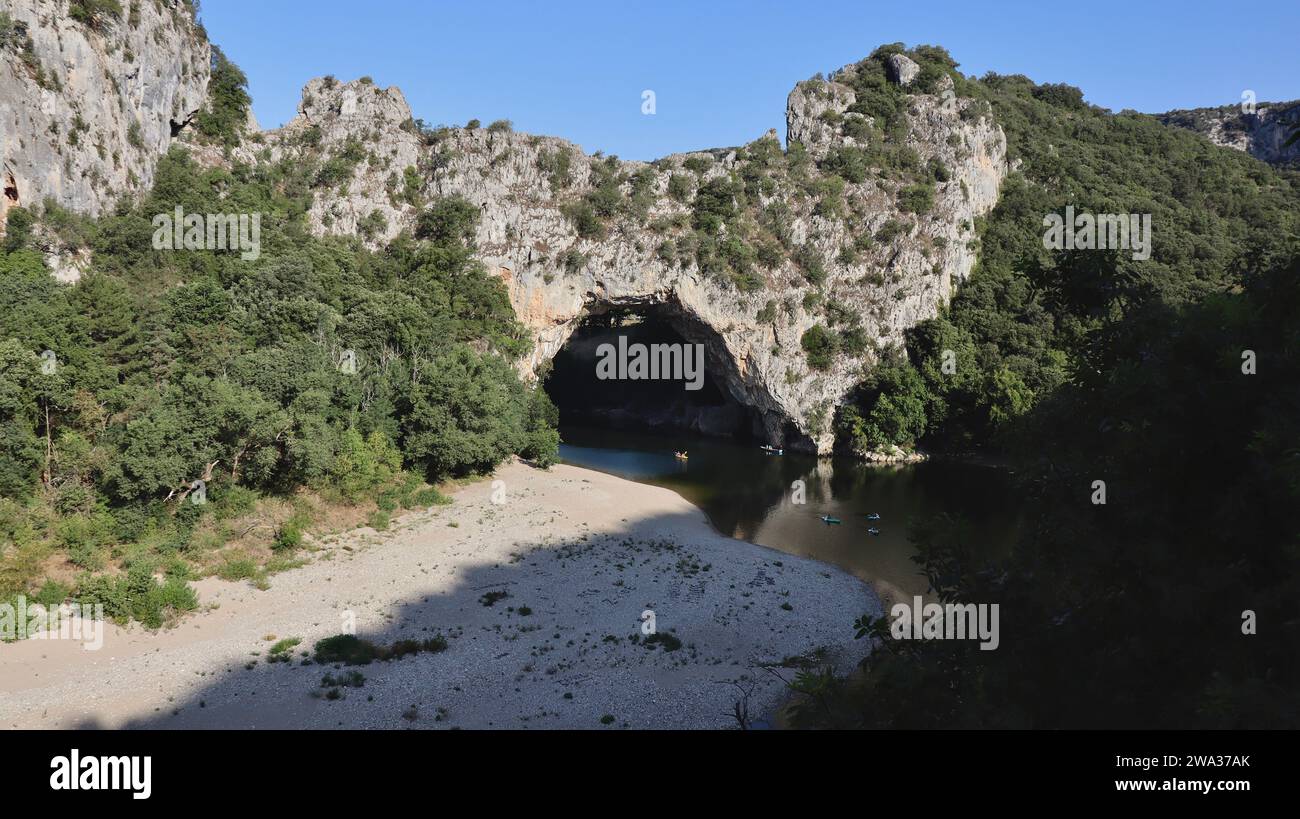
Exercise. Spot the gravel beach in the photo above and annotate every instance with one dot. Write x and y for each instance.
(540, 598)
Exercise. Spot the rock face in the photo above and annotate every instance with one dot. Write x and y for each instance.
(642, 255)
(797, 245)
(902, 69)
(86, 108)
(1261, 134)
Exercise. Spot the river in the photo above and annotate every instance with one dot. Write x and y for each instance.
(748, 494)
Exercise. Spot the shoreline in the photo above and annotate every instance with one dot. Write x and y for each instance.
(579, 555)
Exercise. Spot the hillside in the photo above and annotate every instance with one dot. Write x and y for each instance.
(1264, 133)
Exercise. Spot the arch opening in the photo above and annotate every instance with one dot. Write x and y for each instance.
(632, 400)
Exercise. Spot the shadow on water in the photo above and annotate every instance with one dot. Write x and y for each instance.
(749, 494)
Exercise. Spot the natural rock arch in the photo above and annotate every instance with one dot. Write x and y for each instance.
(555, 276)
(729, 373)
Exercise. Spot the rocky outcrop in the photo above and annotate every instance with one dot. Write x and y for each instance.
(856, 232)
(87, 107)
(902, 69)
(827, 269)
(1263, 134)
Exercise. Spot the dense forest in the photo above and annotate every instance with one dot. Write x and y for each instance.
(1175, 381)
(170, 367)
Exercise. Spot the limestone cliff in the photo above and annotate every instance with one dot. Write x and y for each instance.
(840, 254)
(1262, 134)
(88, 104)
(849, 235)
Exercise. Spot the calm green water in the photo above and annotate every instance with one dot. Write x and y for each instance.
(747, 494)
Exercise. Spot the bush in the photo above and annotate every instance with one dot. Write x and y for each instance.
(810, 262)
(680, 187)
(18, 228)
(557, 165)
(84, 538)
(820, 346)
(889, 231)
(94, 13)
(347, 649)
(450, 221)
(848, 162)
(137, 596)
(378, 520)
(281, 652)
(697, 164)
(289, 536)
(363, 464)
(715, 203)
(916, 198)
(226, 113)
(584, 219)
(430, 496)
(52, 593)
(237, 568)
(232, 501)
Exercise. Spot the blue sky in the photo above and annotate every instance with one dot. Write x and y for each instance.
(721, 70)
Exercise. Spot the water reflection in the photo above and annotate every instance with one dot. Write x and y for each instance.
(750, 494)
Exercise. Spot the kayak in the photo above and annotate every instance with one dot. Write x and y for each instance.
(873, 531)
(828, 519)
(771, 450)
(873, 516)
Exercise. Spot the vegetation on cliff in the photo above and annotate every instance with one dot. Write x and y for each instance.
(1028, 320)
(317, 371)
(1172, 380)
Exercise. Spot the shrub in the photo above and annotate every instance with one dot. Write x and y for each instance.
(362, 464)
(281, 651)
(557, 165)
(715, 203)
(820, 346)
(378, 520)
(430, 496)
(916, 198)
(348, 649)
(888, 231)
(348, 679)
(810, 262)
(670, 642)
(697, 164)
(223, 118)
(584, 219)
(137, 595)
(848, 162)
(237, 568)
(94, 13)
(679, 187)
(289, 536)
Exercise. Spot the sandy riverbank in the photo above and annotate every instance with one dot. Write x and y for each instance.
(582, 552)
